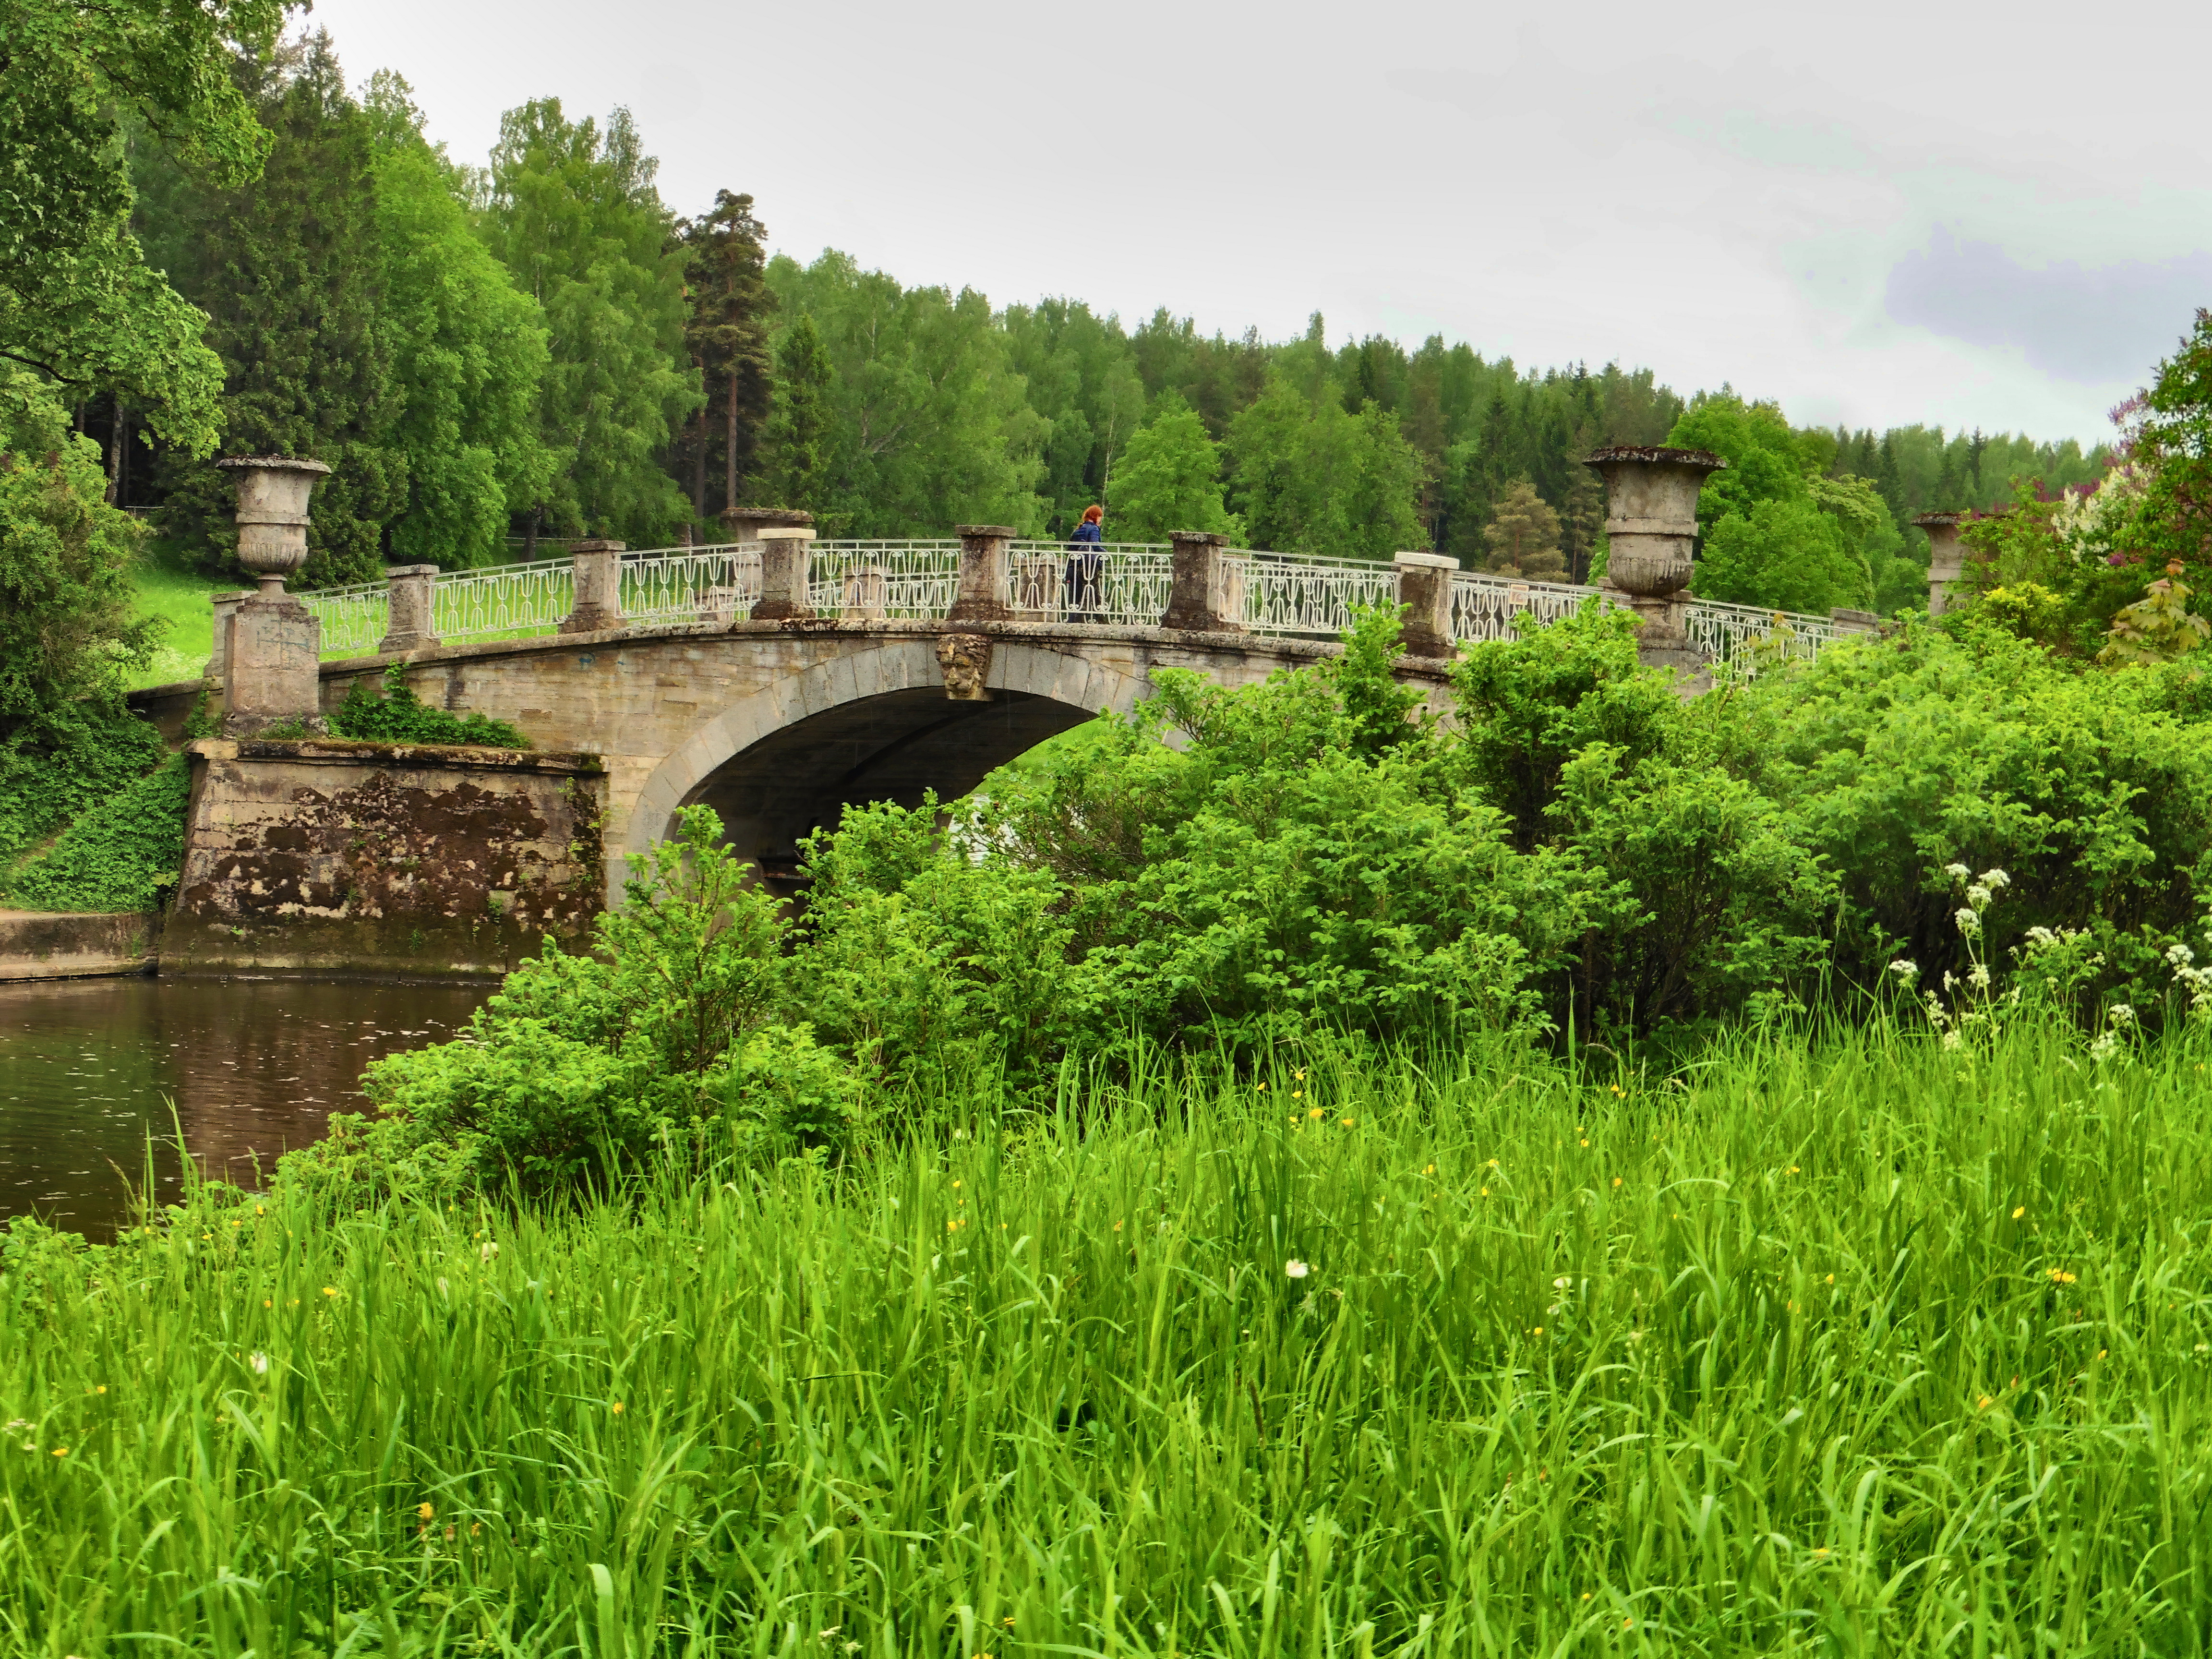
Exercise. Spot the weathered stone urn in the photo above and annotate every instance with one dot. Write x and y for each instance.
(272, 514)
(1651, 528)
(1947, 556)
(272, 644)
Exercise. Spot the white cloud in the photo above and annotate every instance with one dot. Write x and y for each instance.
(1741, 193)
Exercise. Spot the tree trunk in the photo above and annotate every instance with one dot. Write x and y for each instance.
(530, 535)
(115, 450)
(699, 466)
(730, 444)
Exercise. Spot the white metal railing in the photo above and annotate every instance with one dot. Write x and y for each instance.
(1742, 634)
(509, 601)
(1125, 583)
(1483, 607)
(690, 584)
(875, 581)
(353, 618)
(1291, 593)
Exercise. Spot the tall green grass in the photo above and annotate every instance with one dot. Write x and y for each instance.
(1856, 1347)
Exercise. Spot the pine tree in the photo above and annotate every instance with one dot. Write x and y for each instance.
(727, 335)
(797, 470)
(1523, 534)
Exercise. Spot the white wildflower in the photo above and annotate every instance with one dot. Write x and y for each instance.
(1996, 878)
(2180, 955)
(2120, 1015)
(1907, 971)
(259, 1361)
(1970, 924)
(1957, 871)
(1980, 978)
(489, 1250)
(1979, 896)
(1296, 1269)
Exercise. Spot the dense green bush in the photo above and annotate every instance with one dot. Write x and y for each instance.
(91, 813)
(400, 716)
(582, 1065)
(1948, 812)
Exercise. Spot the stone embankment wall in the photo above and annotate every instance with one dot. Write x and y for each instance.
(42, 945)
(328, 856)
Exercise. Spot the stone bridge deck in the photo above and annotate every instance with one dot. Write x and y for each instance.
(777, 725)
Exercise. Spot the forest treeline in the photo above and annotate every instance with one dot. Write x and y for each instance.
(544, 347)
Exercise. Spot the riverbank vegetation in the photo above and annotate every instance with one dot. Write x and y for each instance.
(1829, 1340)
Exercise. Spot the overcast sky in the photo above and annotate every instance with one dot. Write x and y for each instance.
(1969, 215)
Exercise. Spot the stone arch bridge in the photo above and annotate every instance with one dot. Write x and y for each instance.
(774, 679)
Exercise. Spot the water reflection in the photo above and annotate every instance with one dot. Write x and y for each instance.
(88, 1068)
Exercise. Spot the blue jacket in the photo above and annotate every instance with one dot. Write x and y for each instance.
(1088, 531)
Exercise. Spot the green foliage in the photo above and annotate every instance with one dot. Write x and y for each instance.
(77, 299)
(1310, 476)
(285, 264)
(1171, 479)
(96, 781)
(1848, 1285)
(1080, 375)
(726, 335)
(1782, 555)
(582, 1067)
(399, 716)
(797, 472)
(1523, 535)
(572, 211)
(66, 628)
(929, 423)
(2093, 793)
(125, 853)
(2157, 628)
(2168, 428)
(468, 354)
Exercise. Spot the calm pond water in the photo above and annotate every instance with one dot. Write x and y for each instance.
(90, 1067)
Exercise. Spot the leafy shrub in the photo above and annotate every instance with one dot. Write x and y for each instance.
(96, 778)
(123, 854)
(582, 1066)
(400, 716)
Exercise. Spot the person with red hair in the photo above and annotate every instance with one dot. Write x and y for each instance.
(1084, 600)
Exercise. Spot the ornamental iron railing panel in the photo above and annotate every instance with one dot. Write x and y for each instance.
(1744, 636)
(878, 581)
(1292, 594)
(1484, 606)
(355, 617)
(1124, 583)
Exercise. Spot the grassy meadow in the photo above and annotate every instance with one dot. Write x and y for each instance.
(1848, 1346)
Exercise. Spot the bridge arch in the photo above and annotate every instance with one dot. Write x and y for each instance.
(874, 723)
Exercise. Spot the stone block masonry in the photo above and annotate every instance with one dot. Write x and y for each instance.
(328, 856)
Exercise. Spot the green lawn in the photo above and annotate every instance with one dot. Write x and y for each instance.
(1855, 1347)
(179, 597)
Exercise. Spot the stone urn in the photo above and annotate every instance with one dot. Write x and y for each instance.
(1947, 558)
(272, 515)
(1650, 527)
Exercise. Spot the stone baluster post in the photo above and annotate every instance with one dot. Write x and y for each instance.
(411, 624)
(1651, 526)
(1424, 591)
(1199, 600)
(225, 606)
(787, 555)
(272, 644)
(1946, 557)
(984, 594)
(595, 600)
(743, 525)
